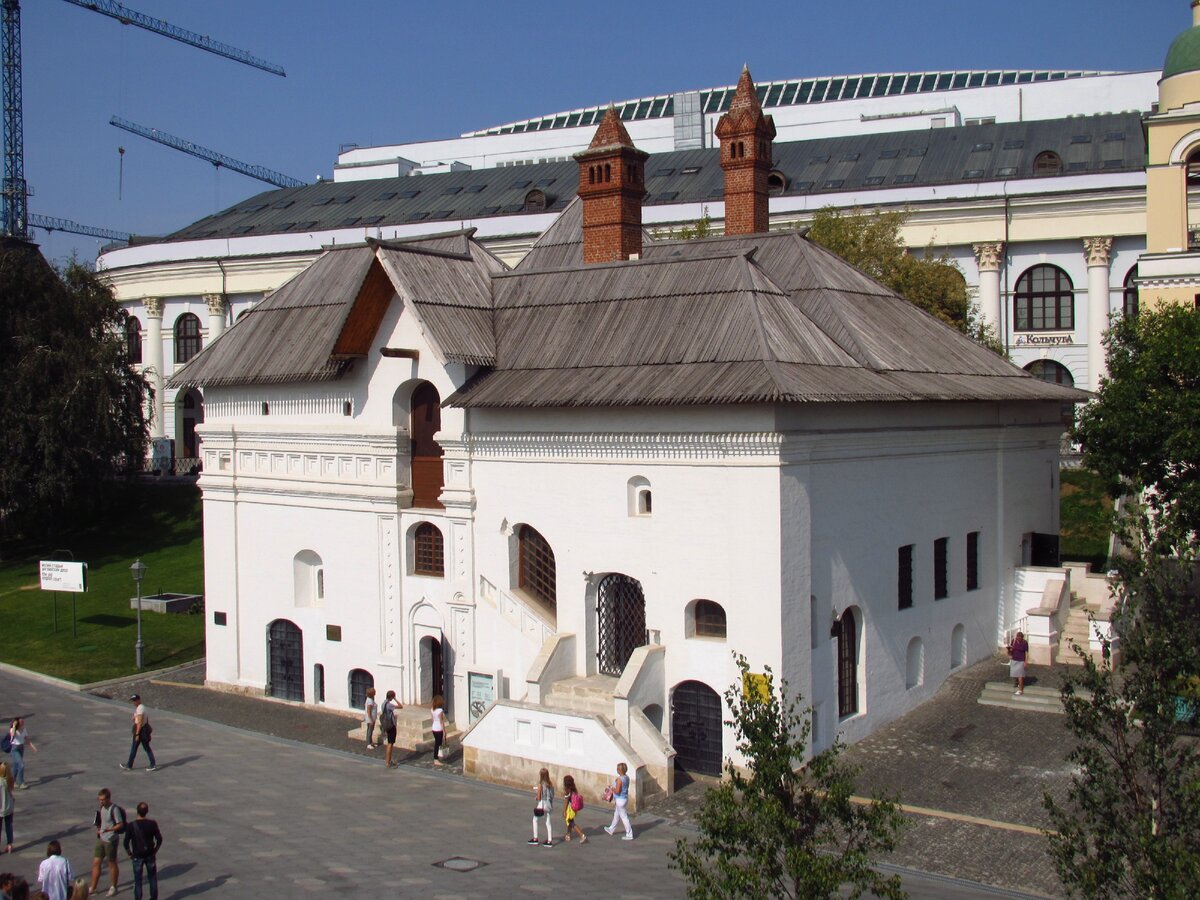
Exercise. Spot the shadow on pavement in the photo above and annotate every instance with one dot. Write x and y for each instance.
(58, 776)
(201, 888)
(54, 836)
(175, 870)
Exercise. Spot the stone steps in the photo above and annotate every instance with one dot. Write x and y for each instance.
(414, 730)
(1077, 628)
(592, 695)
(1035, 698)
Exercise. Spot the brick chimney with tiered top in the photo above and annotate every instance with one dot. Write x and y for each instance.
(746, 136)
(611, 184)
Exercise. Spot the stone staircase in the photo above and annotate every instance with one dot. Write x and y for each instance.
(1077, 628)
(414, 731)
(1035, 698)
(592, 695)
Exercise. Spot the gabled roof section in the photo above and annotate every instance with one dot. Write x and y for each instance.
(561, 245)
(293, 335)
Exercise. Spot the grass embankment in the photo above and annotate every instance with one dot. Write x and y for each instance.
(159, 523)
(1085, 518)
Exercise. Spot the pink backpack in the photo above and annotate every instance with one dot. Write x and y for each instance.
(577, 801)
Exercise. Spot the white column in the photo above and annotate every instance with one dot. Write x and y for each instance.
(990, 257)
(216, 315)
(152, 357)
(1099, 252)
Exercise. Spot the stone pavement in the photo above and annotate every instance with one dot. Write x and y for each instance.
(258, 798)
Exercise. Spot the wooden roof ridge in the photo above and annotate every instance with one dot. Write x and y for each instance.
(618, 264)
(750, 301)
(414, 246)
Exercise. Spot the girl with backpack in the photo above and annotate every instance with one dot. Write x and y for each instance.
(572, 804)
(543, 804)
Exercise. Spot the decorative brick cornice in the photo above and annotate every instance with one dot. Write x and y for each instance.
(1098, 250)
(640, 446)
(990, 257)
(153, 307)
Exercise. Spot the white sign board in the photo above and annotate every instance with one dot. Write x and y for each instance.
(64, 576)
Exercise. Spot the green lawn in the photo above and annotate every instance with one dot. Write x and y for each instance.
(1085, 518)
(161, 524)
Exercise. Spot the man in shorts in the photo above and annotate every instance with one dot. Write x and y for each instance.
(110, 823)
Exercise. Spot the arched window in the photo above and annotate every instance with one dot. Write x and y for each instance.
(536, 575)
(776, 183)
(428, 550)
(319, 683)
(958, 646)
(1047, 163)
(1055, 373)
(846, 634)
(914, 664)
(1044, 300)
(1193, 188)
(308, 577)
(425, 421)
(187, 337)
(535, 201)
(1130, 305)
(641, 501)
(360, 680)
(133, 339)
(708, 619)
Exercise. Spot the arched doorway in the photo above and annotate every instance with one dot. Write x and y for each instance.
(432, 670)
(285, 646)
(621, 614)
(191, 416)
(424, 422)
(696, 728)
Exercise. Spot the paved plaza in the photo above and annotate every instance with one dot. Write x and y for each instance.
(264, 799)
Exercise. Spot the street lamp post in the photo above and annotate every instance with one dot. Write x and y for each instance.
(138, 569)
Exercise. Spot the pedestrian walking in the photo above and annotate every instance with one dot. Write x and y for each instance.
(437, 710)
(19, 889)
(142, 840)
(387, 721)
(370, 711)
(7, 804)
(19, 739)
(54, 873)
(620, 797)
(142, 732)
(572, 804)
(1017, 651)
(543, 805)
(110, 823)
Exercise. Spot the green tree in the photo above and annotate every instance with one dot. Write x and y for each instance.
(72, 407)
(1130, 826)
(782, 827)
(932, 281)
(1140, 433)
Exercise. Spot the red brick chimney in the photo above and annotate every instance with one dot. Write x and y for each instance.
(612, 185)
(746, 136)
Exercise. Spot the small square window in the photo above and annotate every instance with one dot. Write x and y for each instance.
(981, 148)
(219, 618)
(1006, 172)
(451, 191)
(850, 157)
(874, 179)
(834, 183)
(904, 179)
(333, 632)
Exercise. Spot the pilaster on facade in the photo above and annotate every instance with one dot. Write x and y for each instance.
(990, 259)
(989, 256)
(152, 363)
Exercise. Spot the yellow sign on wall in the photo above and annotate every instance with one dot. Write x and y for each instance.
(757, 685)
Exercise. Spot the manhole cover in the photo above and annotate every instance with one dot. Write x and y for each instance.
(460, 864)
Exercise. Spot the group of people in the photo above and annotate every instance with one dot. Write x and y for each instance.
(617, 792)
(385, 717)
(140, 838)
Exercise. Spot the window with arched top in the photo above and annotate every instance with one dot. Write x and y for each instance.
(776, 183)
(914, 664)
(428, 550)
(187, 337)
(308, 579)
(958, 646)
(641, 500)
(1055, 373)
(133, 339)
(360, 681)
(535, 201)
(707, 620)
(845, 632)
(1044, 300)
(1192, 195)
(536, 571)
(1129, 305)
(1047, 163)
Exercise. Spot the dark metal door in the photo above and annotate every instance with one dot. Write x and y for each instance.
(696, 728)
(1044, 550)
(286, 646)
(621, 608)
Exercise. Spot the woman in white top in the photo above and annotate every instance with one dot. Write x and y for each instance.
(370, 711)
(543, 804)
(20, 740)
(438, 712)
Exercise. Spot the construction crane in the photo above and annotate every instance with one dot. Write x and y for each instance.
(14, 193)
(50, 224)
(219, 160)
(127, 16)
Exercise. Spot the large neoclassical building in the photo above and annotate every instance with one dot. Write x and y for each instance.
(1034, 181)
(564, 494)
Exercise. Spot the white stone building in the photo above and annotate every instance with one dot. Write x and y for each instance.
(564, 495)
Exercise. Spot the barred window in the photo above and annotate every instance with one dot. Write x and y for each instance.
(428, 550)
(941, 583)
(537, 574)
(904, 579)
(972, 560)
(710, 619)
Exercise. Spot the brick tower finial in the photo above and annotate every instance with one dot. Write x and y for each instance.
(746, 136)
(611, 185)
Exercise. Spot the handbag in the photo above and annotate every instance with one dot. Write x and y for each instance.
(608, 794)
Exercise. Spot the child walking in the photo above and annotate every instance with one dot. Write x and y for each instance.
(572, 804)
(542, 806)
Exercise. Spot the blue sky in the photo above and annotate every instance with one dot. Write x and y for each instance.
(376, 72)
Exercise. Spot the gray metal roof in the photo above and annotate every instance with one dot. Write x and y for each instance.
(1086, 145)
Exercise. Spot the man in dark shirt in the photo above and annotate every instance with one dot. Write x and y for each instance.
(142, 840)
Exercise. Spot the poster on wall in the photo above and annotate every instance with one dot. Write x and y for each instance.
(481, 690)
